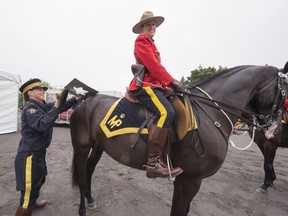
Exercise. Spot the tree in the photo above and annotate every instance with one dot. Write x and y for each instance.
(46, 84)
(201, 74)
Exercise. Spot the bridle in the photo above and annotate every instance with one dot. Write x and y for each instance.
(277, 108)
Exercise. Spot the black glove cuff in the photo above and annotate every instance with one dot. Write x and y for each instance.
(63, 98)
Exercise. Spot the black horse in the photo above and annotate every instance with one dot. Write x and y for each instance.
(201, 152)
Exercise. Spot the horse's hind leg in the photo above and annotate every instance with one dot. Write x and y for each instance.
(91, 164)
(81, 149)
(184, 191)
(79, 175)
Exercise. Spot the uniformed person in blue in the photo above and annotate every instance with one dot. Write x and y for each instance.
(37, 120)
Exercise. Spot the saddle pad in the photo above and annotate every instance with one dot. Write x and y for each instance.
(124, 117)
(188, 106)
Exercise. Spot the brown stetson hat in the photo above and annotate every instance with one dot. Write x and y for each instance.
(146, 17)
(32, 84)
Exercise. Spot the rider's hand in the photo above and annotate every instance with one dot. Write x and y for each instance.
(177, 86)
(176, 83)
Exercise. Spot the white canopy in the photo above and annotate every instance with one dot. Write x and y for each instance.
(9, 90)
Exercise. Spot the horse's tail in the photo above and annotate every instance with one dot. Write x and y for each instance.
(74, 171)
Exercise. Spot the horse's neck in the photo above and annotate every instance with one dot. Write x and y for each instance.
(236, 88)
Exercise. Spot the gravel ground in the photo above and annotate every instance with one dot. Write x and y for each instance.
(123, 191)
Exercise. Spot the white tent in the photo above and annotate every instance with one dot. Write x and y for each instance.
(9, 89)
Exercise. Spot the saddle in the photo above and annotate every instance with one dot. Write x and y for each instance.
(131, 97)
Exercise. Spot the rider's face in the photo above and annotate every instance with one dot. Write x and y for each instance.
(149, 28)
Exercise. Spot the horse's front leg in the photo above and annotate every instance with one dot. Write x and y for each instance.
(270, 176)
(184, 191)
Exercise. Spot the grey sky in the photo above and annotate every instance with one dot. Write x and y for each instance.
(58, 40)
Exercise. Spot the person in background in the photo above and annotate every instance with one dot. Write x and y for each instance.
(151, 94)
(37, 120)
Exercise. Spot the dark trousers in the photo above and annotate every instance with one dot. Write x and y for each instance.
(155, 101)
(31, 171)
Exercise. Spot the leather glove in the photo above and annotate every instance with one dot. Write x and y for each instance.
(61, 99)
(177, 86)
(71, 103)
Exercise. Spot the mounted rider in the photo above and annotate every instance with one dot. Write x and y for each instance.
(150, 92)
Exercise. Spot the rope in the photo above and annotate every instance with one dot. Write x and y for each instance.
(252, 139)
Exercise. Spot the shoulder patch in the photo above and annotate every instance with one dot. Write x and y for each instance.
(31, 111)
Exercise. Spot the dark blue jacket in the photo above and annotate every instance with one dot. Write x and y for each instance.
(37, 122)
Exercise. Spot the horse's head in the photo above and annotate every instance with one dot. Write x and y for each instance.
(269, 98)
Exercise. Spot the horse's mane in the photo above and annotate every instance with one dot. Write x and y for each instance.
(285, 69)
(224, 72)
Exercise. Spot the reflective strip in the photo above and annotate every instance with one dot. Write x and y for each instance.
(158, 104)
(28, 181)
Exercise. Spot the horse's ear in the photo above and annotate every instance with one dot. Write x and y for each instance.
(286, 67)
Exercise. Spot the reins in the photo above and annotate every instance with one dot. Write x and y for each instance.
(224, 106)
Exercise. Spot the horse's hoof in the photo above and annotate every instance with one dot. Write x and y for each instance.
(91, 205)
(261, 190)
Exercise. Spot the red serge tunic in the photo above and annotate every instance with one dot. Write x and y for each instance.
(146, 53)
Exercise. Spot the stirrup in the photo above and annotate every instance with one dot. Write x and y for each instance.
(171, 178)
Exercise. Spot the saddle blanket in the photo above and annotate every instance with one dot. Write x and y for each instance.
(125, 117)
